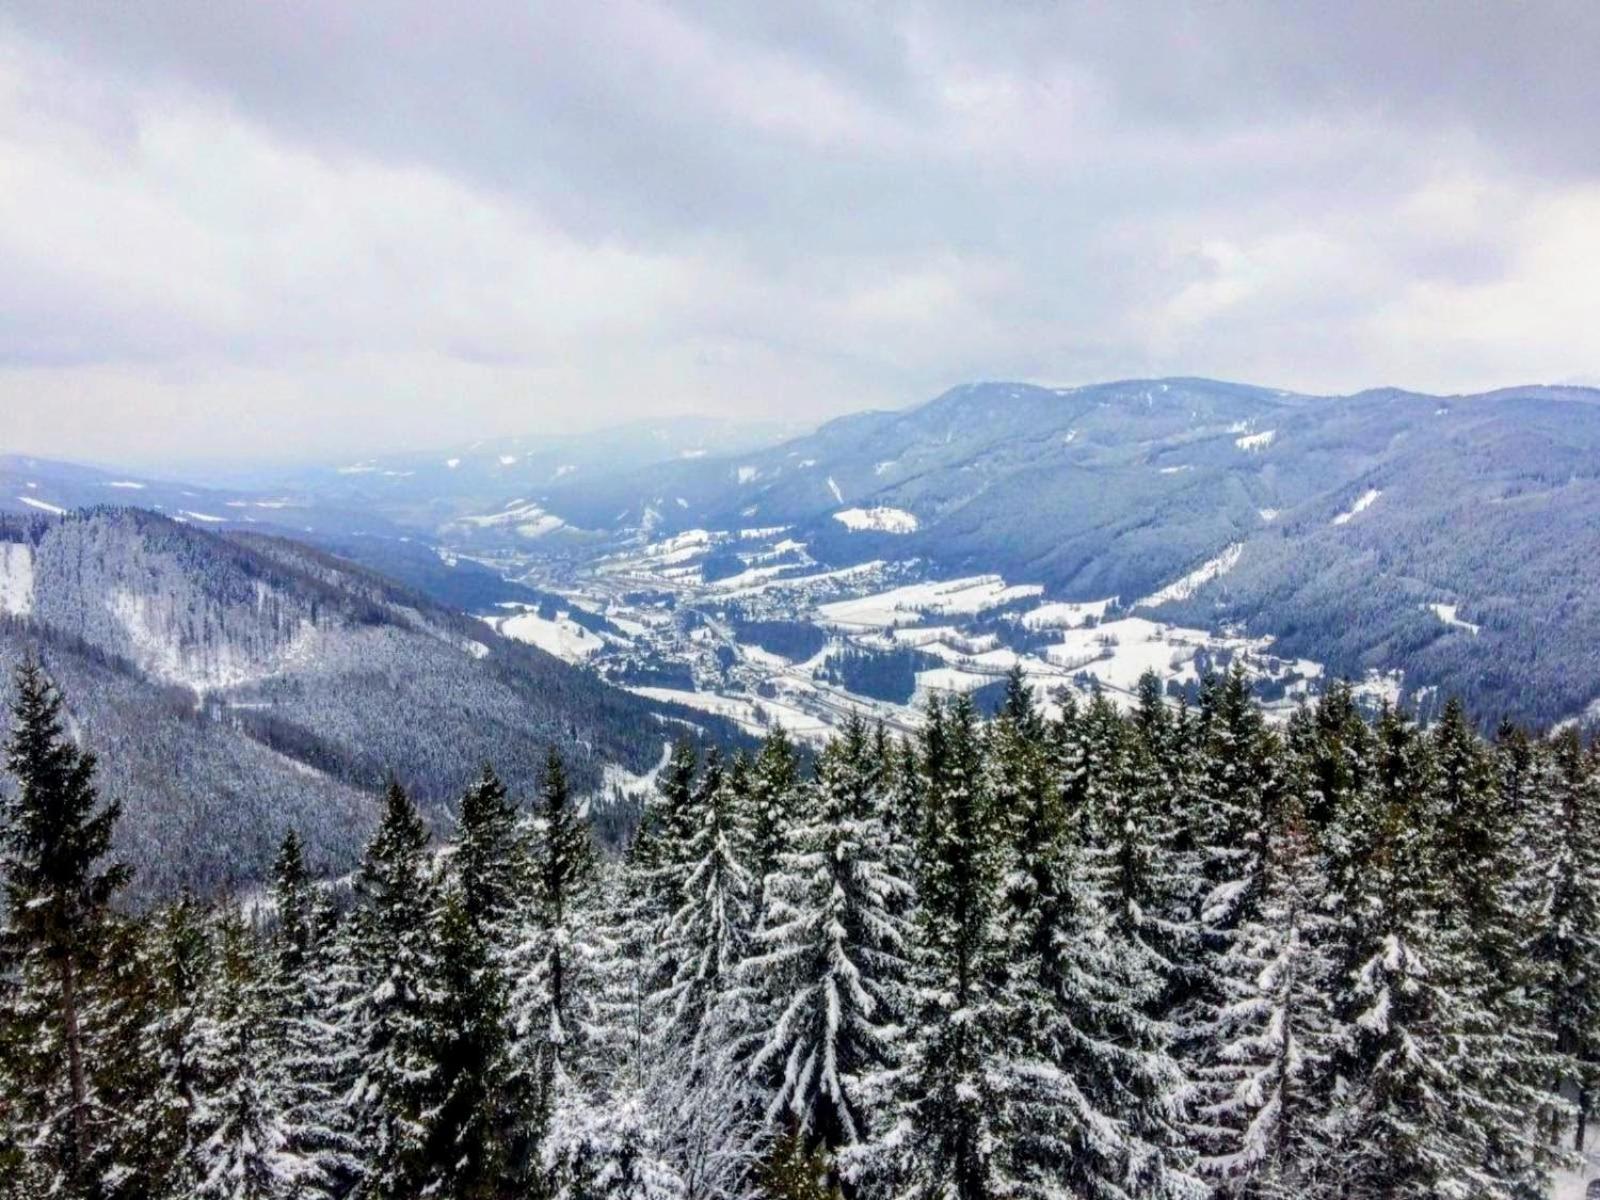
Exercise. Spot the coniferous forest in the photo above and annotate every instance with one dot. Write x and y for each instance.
(1173, 953)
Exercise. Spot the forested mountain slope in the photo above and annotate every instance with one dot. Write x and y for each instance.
(1442, 536)
(249, 684)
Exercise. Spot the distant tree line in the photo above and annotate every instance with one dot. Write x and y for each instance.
(1169, 953)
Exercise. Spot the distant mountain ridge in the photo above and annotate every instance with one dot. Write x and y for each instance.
(1487, 503)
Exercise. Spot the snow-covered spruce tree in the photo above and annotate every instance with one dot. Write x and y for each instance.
(241, 1145)
(1237, 786)
(621, 1150)
(1564, 947)
(179, 954)
(700, 945)
(388, 1021)
(1147, 883)
(1094, 1094)
(1506, 1054)
(705, 937)
(956, 1124)
(309, 980)
(829, 965)
(1396, 1128)
(772, 781)
(497, 1106)
(463, 1151)
(1264, 1086)
(54, 839)
(556, 1002)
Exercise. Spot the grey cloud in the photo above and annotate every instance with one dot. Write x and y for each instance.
(871, 200)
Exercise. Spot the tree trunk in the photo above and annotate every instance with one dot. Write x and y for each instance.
(73, 1033)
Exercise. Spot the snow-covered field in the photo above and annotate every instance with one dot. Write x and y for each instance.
(881, 520)
(562, 637)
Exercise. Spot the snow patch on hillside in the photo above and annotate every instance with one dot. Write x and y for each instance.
(127, 484)
(562, 637)
(1062, 615)
(16, 578)
(747, 474)
(1256, 441)
(1182, 589)
(882, 520)
(530, 520)
(1447, 614)
(206, 518)
(42, 505)
(1363, 502)
(1267, 514)
(833, 487)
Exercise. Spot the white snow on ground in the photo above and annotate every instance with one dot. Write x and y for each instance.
(765, 531)
(1363, 502)
(883, 520)
(475, 649)
(126, 483)
(1182, 589)
(562, 637)
(1177, 470)
(206, 517)
(904, 605)
(746, 474)
(358, 469)
(692, 454)
(507, 460)
(148, 624)
(617, 778)
(1570, 1185)
(16, 578)
(1380, 686)
(833, 487)
(1061, 615)
(1447, 614)
(564, 470)
(452, 463)
(1267, 514)
(1256, 441)
(40, 504)
(530, 520)
(747, 714)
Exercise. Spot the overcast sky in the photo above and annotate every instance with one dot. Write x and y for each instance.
(306, 228)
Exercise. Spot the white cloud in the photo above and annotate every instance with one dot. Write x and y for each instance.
(307, 230)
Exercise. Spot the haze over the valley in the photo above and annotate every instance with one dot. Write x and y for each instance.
(305, 230)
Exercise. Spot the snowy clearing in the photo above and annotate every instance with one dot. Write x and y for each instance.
(881, 520)
(562, 637)
(43, 506)
(1256, 441)
(1447, 614)
(968, 596)
(16, 578)
(127, 484)
(1363, 502)
(1182, 589)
